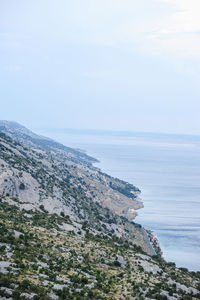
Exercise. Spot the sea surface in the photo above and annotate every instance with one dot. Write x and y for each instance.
(167, 171)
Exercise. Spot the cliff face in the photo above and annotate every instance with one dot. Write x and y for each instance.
(60, 179)
(75, 168)
(65, 233)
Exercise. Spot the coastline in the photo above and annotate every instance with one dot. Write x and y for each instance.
(130, 214)
(168, 174)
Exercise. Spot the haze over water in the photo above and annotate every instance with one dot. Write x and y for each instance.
(168, 173)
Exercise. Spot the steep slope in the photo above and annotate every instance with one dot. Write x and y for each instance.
(113, 193)
(64, 234)
(44, 179)
(41, 259)
(25, 136)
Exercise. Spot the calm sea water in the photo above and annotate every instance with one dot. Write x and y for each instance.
(168, 174)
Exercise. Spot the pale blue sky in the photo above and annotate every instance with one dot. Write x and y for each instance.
(101, 64)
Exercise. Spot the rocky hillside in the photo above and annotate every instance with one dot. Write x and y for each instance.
(43, 159)
(65, 229)
(25, 136)
(61, 184)
(47, 256)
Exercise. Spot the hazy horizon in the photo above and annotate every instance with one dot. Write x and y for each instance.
(118, 132)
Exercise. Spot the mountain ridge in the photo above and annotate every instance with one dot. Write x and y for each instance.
(27, 137)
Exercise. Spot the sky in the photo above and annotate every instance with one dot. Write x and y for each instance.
(101, 64)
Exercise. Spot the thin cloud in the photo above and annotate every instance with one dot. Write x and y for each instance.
(180, 30)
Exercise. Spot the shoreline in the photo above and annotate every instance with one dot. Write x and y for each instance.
(135, 164)
(151, 240)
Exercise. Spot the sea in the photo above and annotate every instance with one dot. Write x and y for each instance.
(166, 168)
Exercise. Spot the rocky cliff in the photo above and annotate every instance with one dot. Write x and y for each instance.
(65, 230)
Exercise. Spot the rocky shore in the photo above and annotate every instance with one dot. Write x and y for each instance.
(154, 242)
